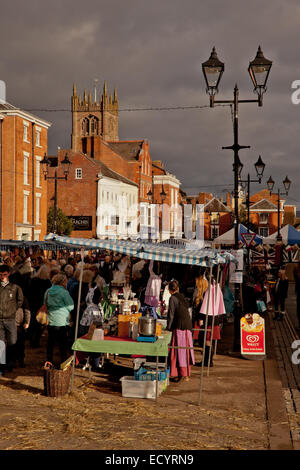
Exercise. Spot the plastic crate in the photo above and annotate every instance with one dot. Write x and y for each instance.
(144, 374)
(132, 388)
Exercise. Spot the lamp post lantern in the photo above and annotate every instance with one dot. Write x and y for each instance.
(259, 70)
(66, 163)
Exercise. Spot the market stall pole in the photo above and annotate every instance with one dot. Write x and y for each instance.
(204, 340)
(212, 326)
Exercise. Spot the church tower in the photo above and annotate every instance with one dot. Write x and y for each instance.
(91, 118)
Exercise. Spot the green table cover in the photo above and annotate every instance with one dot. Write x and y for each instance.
(159, 348)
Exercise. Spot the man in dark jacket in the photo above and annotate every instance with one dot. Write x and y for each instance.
(11, 298)
(106, 269)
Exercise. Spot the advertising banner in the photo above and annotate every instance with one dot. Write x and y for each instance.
(236, 270)
(253, 334)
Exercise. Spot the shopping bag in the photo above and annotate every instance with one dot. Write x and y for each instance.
(261, 306)
(42, 315)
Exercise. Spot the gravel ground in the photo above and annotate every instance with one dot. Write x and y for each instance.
(232, 413)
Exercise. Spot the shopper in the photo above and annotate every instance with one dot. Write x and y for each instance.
(38, 286)
(87, 278)
(106, 269)
(280, 293)
(59, 305)
(11, 298)
(68, 270)
(201, 285)
(73, 281)
(180, 323)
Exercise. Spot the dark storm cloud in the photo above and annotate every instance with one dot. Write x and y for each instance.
(152, 52)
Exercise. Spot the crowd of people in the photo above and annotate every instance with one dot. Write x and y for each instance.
(27, 284)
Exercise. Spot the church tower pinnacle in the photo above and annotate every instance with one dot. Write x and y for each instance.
(94, 119)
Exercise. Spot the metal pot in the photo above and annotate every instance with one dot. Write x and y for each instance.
(147, 325)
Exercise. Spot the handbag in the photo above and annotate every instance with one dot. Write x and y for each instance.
(257, 288)
(42, 314)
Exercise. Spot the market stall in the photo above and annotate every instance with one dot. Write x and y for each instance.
(160, 343)
(228, 238)
(290, 236)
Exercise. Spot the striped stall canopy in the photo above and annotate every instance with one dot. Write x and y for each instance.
(199, 257)
(147, 250)
(121, 246)
(23, 244)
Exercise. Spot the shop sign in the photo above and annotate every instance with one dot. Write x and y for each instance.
(252, 334)
(81, 222)
(236, 269)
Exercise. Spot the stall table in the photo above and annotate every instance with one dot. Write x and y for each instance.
(127, 346)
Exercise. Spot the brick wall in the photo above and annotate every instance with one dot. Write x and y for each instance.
(13, 178)
(76, 196)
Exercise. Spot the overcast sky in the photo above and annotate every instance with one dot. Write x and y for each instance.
(152, 51)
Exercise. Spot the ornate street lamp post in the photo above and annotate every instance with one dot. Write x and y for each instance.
(66, 163)
(259, 167)
(287, 184)
(259, 70)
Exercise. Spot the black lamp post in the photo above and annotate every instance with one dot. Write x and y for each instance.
(259, 70)
(259, 167)
(287, 184)
(163, 196)
(66, 163)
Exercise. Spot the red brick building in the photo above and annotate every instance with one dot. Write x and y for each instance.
(264, 212)
(95, 142)
(23, 191)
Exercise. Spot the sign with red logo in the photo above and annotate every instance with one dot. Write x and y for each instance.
(248, 238)
(253, 334)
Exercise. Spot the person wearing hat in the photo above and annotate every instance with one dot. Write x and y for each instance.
(11, 298)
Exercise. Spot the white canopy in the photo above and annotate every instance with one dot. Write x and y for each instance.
(290, 236)
(227, 238)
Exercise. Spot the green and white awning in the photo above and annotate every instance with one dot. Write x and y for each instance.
(146, 250)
